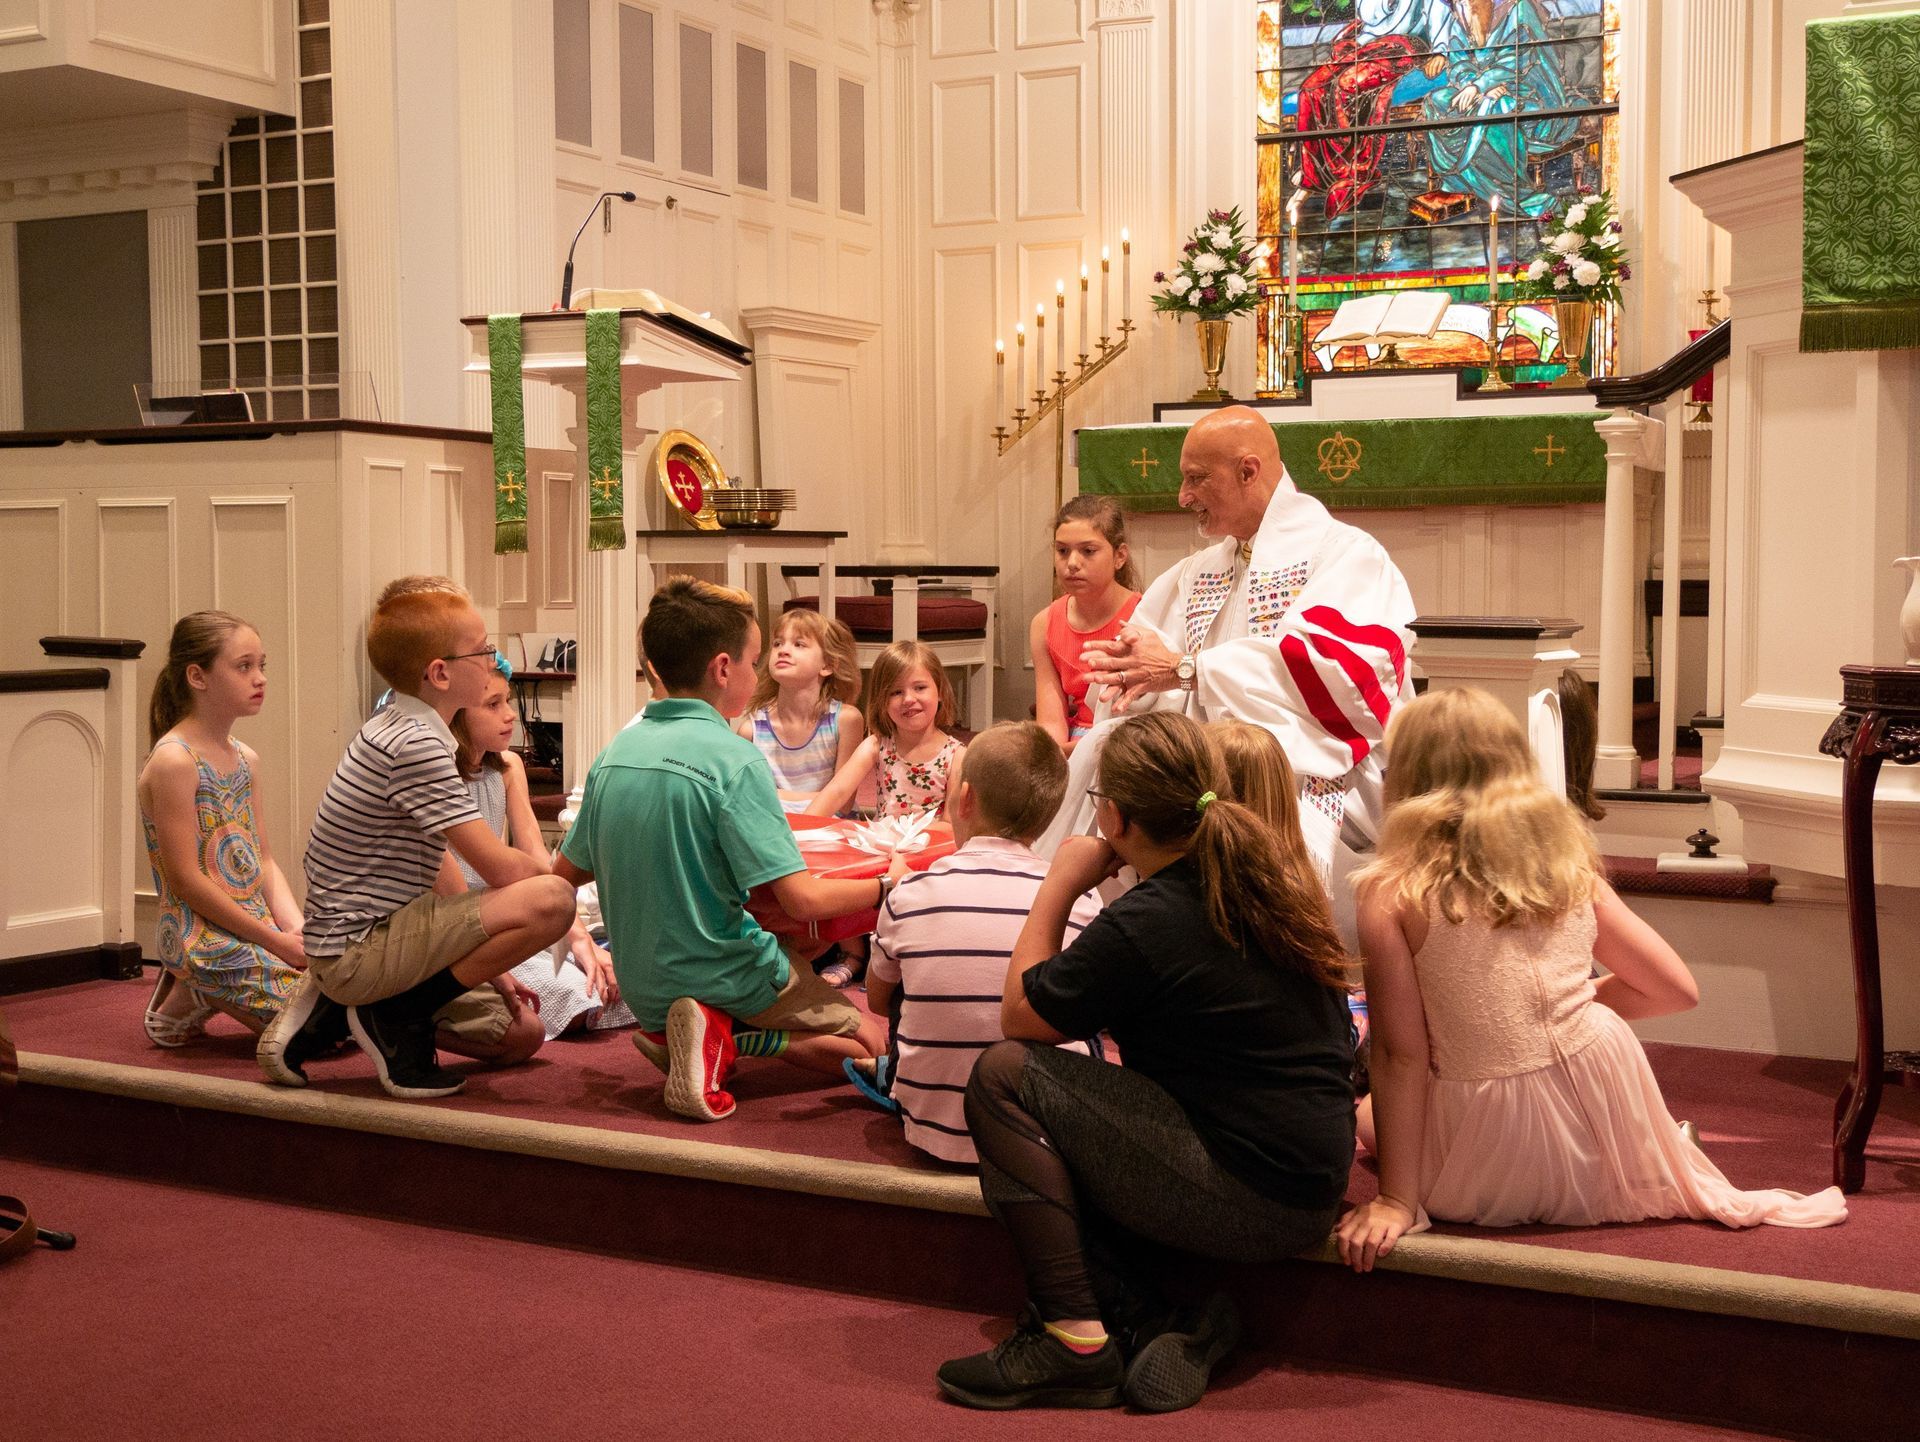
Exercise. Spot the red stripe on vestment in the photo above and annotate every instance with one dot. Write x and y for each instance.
(1319, 700)
(1365, 680)
(1385, 637)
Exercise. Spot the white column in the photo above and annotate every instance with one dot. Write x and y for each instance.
(606, 618)
(1618, 766)
(366, 192)
(173, 291)
(537, 262)
(11, 400)
(903, 508)
(490, 238)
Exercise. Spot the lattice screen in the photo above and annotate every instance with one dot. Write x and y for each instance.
(269, 258)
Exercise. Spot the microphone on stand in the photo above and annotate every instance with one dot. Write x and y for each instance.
(566, 276)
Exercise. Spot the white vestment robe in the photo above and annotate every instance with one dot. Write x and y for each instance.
(1308, 638)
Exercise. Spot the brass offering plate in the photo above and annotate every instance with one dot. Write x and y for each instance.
(689, 473)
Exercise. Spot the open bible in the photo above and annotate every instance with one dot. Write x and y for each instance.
(1382, 319)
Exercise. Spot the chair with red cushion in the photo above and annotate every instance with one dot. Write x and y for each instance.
(950, 608)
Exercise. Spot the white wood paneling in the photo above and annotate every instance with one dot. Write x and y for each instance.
(1049, 22)
(34, 570)
(11, 399)
(51, 823)
(965, 149)
(1049, 146)
(964, 27)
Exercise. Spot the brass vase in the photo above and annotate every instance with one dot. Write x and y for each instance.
(1574, 319)
(1213, 358)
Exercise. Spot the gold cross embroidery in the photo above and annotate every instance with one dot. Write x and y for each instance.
(604, 484)
(1143, 463)
(510, 490)
(1549, 450)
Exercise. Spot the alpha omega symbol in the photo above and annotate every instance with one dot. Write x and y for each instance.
(1339, 457)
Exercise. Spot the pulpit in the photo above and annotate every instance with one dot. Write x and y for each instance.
(655, 350)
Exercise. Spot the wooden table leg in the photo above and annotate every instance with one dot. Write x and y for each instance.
(1860, 1098)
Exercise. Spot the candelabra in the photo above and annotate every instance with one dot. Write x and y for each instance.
(1499, 318)
(1053, 402)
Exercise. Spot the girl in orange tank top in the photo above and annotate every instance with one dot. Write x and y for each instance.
(1098, 596)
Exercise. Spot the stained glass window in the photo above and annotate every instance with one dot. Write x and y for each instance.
(1398, 125)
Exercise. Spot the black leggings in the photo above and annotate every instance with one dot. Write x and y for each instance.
(1087, 1165)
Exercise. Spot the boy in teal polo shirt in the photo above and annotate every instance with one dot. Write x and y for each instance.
(679, 820)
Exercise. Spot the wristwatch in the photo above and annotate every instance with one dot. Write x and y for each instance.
(1186, 672)
(887, 881)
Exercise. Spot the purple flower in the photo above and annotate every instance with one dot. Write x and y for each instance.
(1216, 215)
(1192, 246)
(1626, 271)
(1614, 226)
(1209, 295)
(1561, 266)
(1159, 276)
(1243, 257)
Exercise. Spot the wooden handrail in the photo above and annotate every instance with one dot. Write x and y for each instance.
(1678, 371)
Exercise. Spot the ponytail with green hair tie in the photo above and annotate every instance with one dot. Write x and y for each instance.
(1206, 798)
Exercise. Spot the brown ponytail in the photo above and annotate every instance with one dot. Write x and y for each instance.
(1165, 775)
(196, 641)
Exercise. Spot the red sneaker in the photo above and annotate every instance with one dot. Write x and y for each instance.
(701, 1058)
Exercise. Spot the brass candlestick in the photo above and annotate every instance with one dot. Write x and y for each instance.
(1055, 404)
(1496, 342)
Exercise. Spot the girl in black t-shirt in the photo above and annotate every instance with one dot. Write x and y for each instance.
(1227, 1131)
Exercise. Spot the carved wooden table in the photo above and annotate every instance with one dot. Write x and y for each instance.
(1879, 721)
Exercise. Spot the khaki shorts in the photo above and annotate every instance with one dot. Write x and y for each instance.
(480, 1018)
(427, 935)
(806, 1003)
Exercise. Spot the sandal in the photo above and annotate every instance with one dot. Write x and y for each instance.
(173, 1031)
(876, 1086)
(843, 971)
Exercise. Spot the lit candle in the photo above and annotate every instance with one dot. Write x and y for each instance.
(1060, 328)
(1039, 349)
(1104, 287)
(1020, 367)
(1083, 312)
(1126, 277)
(1493, 252)
(999, 380)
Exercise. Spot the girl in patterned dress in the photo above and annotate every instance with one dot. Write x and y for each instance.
(229, 926)
(572, 982)
(1098, 594)
(802, 715)
(909, 755)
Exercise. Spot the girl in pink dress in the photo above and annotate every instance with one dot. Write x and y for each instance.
(1507, 1085)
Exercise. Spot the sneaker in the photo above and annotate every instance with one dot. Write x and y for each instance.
(653, 1046)
(1034, 1369)
(164, 1029)
(1171, 1369)
(700, 1058)
(309, 1025)
(402, 1052)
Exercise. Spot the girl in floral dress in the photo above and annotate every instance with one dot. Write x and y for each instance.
(229, 926)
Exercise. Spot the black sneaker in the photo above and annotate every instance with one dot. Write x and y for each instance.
(1033, 1369)
(310, 1025)
(402, 1052)
(1170, 1370)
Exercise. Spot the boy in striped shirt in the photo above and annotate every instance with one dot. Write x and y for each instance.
(946, 934)
(384, 952)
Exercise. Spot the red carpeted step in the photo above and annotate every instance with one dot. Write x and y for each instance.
(392, 1330)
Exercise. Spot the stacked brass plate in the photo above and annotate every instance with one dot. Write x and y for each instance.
(691, 476)
(751, 508)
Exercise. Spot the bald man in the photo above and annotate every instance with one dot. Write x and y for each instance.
(1292, 620)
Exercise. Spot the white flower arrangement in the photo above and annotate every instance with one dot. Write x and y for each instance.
(1218, 275)
(1584, 260)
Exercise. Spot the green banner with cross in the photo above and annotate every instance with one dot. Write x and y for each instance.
(1539, 460)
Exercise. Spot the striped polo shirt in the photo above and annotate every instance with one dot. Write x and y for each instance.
(379, 835)
(945, 936)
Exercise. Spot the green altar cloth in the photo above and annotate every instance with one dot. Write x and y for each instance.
(1860, 257)
(1541, 460)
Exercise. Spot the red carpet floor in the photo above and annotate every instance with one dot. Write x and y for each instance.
(192, 1315)
(1763, 1119)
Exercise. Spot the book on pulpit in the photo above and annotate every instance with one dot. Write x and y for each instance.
(1381, 319)
(653, 303)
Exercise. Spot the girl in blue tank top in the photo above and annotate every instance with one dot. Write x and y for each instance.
(801, 716)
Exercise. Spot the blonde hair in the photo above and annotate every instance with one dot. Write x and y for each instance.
(198, 639)
(1018, 775)
(894, 665)
(410, 630)
(1469, 825)
(1261, 891)
(842, 682)
(1264, 783)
